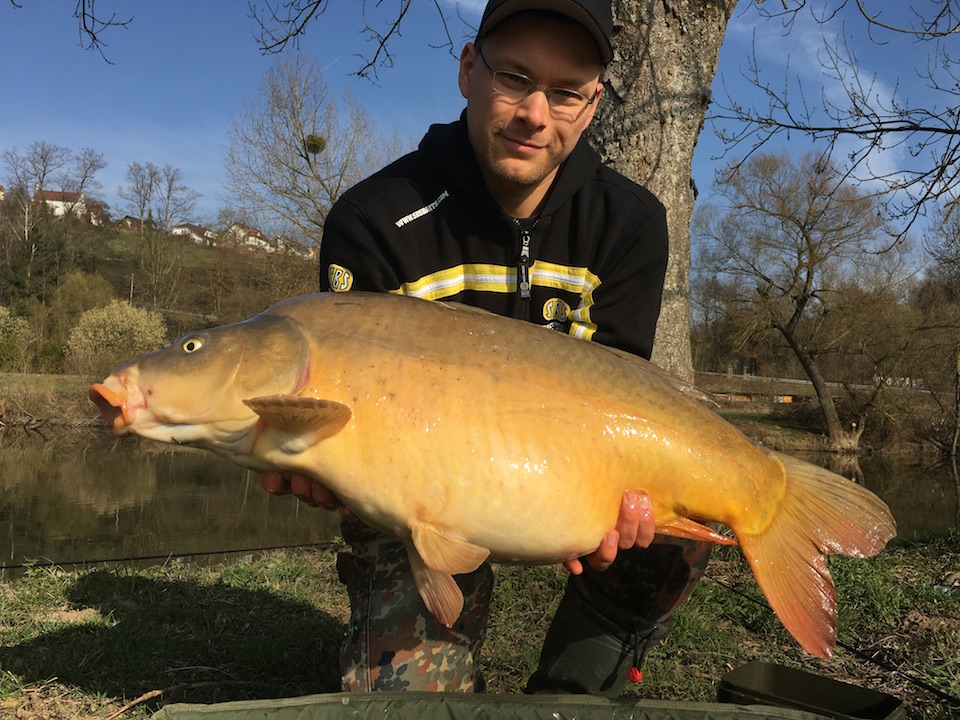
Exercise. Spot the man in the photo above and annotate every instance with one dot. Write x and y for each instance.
(510, 210)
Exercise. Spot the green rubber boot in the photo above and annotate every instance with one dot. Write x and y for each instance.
(593, 646)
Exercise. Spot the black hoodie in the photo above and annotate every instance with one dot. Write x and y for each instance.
(591, 263)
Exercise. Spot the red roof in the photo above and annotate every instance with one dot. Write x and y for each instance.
(57, 196)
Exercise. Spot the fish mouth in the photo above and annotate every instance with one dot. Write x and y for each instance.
(112, 404)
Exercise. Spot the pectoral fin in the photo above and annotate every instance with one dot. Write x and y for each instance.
(685, 528)
(439, 591)
(446, 554)
(300, 422)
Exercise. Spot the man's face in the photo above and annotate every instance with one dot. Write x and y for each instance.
(520, 144)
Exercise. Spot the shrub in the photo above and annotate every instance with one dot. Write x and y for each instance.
(105, 337)
(51, 357)
(16, 340)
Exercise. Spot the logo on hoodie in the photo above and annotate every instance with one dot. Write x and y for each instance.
(339, 277)
(555, 309)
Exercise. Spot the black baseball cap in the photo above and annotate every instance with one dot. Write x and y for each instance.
(595, 15)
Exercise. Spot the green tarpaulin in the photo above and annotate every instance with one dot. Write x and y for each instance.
(443, 706)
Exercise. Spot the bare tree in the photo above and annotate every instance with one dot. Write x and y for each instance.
(862, 111)
(161, 270)
(34, 169)
(292, 150)
(790, 238)
(29, 174)
(78, 180)
(139, 192)
(175, 201)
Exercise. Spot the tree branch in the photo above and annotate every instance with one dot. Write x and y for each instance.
(928, 133)
(91, 26)
(283, 24)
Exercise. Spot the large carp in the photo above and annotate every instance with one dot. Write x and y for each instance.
(471, 436)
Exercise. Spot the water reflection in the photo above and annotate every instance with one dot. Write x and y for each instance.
(922, 498)
(83, 498)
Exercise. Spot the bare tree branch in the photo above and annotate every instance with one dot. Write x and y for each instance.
(939, 20)
(929, 134)
(92, 25)
(283, 24)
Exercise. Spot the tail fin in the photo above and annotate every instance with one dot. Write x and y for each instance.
(821, 514)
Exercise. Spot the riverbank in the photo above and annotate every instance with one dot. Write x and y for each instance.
(91, 642)
(32, 402)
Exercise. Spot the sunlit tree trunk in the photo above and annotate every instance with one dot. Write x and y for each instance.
(657, 92)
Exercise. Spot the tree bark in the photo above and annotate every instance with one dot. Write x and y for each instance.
(653, 107)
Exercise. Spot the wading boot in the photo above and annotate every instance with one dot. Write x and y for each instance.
(593, 646)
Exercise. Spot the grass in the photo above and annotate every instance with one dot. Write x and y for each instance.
(34, 401)
(85, 643)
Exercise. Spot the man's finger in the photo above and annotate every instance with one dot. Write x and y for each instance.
(302, 487)
(636, 523)
(603, 557)
(647, 524)
(323, 497)
(628, 520)
(274, 482)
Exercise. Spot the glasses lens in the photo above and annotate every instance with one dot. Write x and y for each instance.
(512, 85)
(567, 99)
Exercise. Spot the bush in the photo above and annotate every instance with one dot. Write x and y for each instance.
(51, 357)
(16, 340)
(105, 337)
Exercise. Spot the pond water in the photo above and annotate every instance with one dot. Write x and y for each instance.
(84, 498)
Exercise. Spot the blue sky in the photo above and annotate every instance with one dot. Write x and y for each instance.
(182, 69)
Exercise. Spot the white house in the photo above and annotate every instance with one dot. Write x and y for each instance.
(250, 237)
(285, 244)
(61, 203)
(197, 233)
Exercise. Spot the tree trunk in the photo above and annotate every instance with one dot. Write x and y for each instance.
(656, 97)
(841, 439)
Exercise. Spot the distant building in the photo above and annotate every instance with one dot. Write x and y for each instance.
(250, 237)
(63, 203)
(197, 233)
(285, 244)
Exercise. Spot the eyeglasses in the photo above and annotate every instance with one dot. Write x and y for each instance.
(564, 103)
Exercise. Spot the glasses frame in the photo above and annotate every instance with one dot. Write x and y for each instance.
(548, 90)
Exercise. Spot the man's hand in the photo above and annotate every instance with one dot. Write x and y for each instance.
(305, 488)
(635, 528)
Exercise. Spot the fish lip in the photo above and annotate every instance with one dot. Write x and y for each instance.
(112, 404)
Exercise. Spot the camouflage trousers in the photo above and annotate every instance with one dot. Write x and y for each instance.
(394, 643)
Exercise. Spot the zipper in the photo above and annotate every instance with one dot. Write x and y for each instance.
(524, 262)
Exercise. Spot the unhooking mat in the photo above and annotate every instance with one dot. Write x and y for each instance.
(456, 706)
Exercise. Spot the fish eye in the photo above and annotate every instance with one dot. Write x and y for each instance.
(191, 344)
